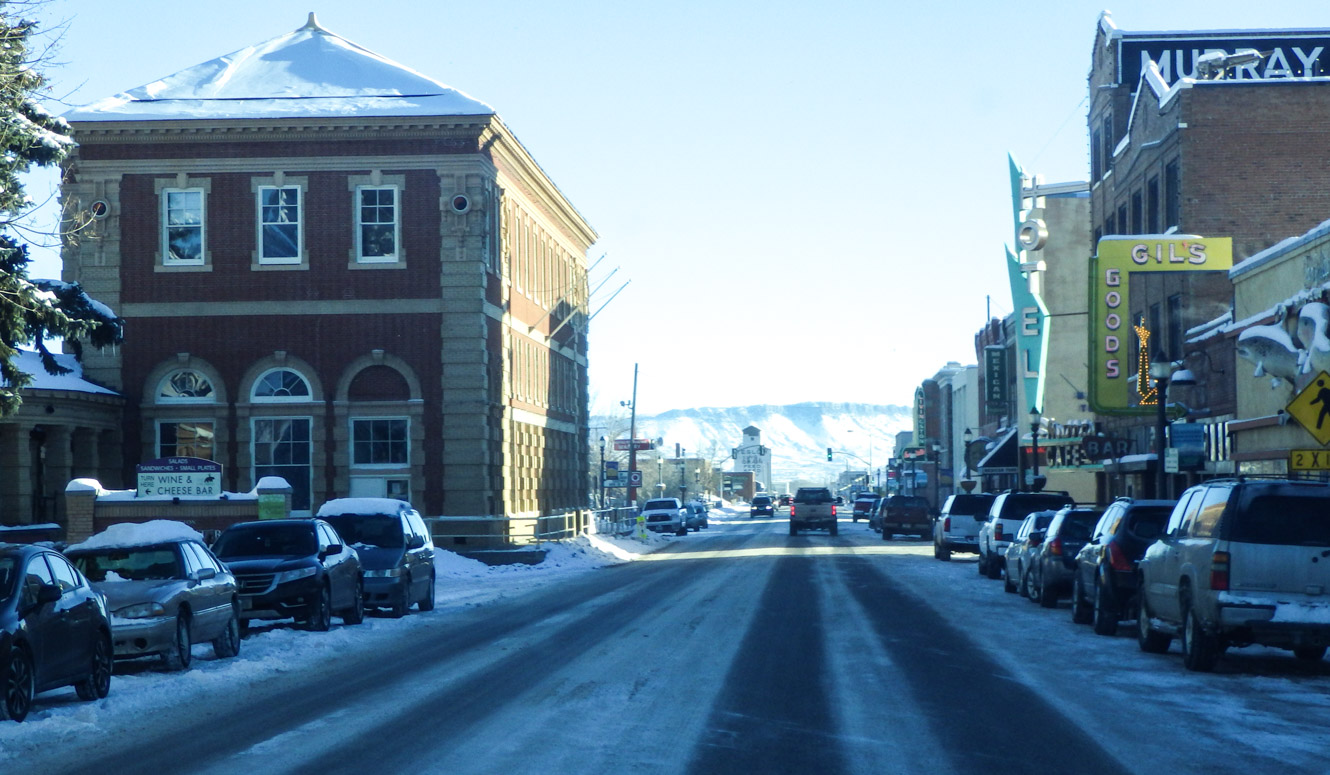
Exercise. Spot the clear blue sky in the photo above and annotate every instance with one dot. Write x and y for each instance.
(784, 183)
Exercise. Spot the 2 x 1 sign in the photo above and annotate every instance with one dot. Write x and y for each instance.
(623, 445)
(179, 476)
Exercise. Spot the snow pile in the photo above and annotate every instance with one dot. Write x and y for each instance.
(158, 531)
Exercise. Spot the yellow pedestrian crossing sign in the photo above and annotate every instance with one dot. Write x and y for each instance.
(1311, 408)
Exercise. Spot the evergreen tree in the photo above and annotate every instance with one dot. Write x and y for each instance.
(31, 311)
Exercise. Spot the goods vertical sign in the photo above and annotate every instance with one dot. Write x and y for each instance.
(1112, 331)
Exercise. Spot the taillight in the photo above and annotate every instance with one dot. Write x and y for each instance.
(1219, 567)
(833, 509)
(1117, 560)
(998, 535)
(946, 524)
(791, 509)
(1055, 547)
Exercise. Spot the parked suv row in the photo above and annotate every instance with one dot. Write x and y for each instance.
(1005, 515)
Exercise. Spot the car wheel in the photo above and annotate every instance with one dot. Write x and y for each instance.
(227, 644)
(427, 602)
(1081, 612)
(356, 613)
(1007, 585)
(320, 619)
(1028, 587)
(181, 652)
(20, 686)
(683, 530)
(403, 602)
(944, 554)
(1150, 640)
(1105, 612)
(1048, 598)
(1309, 653)
(98, 682)
(834, 529)
(982, 564)
(1200, 649)
(994, 568)
(794, 531)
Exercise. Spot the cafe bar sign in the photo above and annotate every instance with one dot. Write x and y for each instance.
(179, 477)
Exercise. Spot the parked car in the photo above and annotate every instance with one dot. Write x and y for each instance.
(1022, 550)
(1104, 590)
(698, 516)
(665, 515)
(761, 506)
(956, 528)
(395, 548)
(1241, 562)
(1053, 566)
(904, 514)
(1005, 515)
(865, 504)
(165, 589)
(293, 568)
(55, 630)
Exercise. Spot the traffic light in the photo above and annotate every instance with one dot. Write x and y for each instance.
(828, 453)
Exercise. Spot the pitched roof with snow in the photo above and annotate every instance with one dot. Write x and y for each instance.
(306, 73)
(29, 362)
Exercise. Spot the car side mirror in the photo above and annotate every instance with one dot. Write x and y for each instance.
(332, 549)
(48, 594)
(415, 542)
(203, 574)
(1036, 539)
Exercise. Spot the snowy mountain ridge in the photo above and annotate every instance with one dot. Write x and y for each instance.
(797, 434)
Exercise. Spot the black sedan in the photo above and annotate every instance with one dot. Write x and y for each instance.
(293, 568)
(54, 630)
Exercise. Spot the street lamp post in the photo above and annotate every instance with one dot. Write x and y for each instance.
(1165, 373)
(1034, 448)
(966, 438)
(602, 472)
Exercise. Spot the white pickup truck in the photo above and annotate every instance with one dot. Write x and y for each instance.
(813, 508)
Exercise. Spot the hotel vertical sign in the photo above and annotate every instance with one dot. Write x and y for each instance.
(1111, 326)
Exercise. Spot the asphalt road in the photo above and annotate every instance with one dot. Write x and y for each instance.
(736, 650)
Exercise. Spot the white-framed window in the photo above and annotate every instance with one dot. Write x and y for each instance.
(183, 227)
(277, 385)
(185, 438)
(281, 238)
(186, 386)
(378, 224)
(282, 446)
(380, 442)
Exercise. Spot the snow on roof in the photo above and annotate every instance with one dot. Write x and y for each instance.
(309, 72)
(339, 506)
(158, 531)
(30, 362)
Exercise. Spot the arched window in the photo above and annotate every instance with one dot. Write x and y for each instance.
(186, 386)
(281, 385)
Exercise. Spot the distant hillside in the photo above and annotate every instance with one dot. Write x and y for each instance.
(798, 434)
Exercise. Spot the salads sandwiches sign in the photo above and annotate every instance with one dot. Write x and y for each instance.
(179, 476)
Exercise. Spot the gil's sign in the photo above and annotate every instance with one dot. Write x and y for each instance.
(179, 476)
(1111, 366)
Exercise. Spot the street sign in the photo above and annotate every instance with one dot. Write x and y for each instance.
(1311, 408)
(179, 476)
(634, 478)
(623, 445)
(1309, 460)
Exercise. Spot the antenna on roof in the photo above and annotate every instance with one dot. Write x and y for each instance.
(313, 23)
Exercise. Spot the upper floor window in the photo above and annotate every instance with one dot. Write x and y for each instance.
(281, 385)
(279, 225)
(182, 226)
(186, 386)
(380, 441)
(378, 223)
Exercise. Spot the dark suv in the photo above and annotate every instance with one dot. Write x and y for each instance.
(395, 548)
(904, 514)
(1054, 564)
(1104, 589)
(1005, 516)
(761, 506)
(1241, 562)
(295, 568)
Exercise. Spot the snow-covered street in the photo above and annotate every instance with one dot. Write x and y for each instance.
(735, 649)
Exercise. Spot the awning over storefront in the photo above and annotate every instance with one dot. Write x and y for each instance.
(1002, 456)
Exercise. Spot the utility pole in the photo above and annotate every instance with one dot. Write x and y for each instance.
(632, 441)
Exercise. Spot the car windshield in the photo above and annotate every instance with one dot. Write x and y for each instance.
(659, 505)
(1076, 526)
(1147, 522)
(975, 505)
(1285, 517)
(380, 530)
(7, 575)
(1021, 503)
(139, 563)
(813, 496)
(266, 541)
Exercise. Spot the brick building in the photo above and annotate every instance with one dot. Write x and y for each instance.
(1217, 134)
(336, 270)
